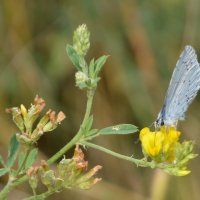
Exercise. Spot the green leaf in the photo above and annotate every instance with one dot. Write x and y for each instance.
(92, 132)
(31, 158)
(91, 68)
(12, 151)
(99, 64)
(118, 129)
(74, 57)
(3, 171)
(88, 125)
(21, 158)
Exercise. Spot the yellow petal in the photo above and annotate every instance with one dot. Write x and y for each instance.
(23, 110)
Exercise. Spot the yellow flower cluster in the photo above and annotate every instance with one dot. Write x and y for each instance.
(159, 145)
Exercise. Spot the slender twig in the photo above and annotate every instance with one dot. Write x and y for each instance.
(41, 196)
(138, 162)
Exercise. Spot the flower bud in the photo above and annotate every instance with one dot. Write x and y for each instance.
(23, 110)
(24, 139)
(32, 174)
(89, 184)
(48, 178)
(81, 40)
(17, 117)
(81, 80)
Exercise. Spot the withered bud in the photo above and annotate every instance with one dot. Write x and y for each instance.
(89, 184)
(17, 117)
(89, 175)
(48, 123)
(44, 166)
(60, 117)
(54, 120)
(79, 158)
(32, 171)
(52, 116)
(39, 103)
(78, 154)
(32, 174)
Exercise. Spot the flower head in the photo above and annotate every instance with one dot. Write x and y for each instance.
(81, 40)
(163, 147)
(159, 145)
(25, 120)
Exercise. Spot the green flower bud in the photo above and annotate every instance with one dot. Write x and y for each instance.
(81, 80)
(23, 139)
(64, 167)
(81, 40)
(48, 178)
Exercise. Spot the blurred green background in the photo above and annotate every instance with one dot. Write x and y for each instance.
(144, 40)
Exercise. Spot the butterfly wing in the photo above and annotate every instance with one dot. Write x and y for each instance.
(183, 88)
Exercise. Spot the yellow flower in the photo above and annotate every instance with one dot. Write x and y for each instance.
(159, 145)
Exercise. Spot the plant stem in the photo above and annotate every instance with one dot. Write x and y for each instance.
(138, 162)
(6, 190)
(42, 196)
(78, 136)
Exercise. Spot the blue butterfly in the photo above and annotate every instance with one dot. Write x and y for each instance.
(183, 88)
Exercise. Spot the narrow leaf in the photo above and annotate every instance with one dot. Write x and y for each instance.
(92, 132)
(21, 158)
(74, 57)
(91, 68)
(3, 171)
(31, 158)
(12, 151)
(99, 64)
(118, 129)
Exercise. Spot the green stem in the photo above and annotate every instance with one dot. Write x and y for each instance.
(61, 152)
(6, 190)
(138, 162)
(42, 196)
(11, 182)
(78, 136)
